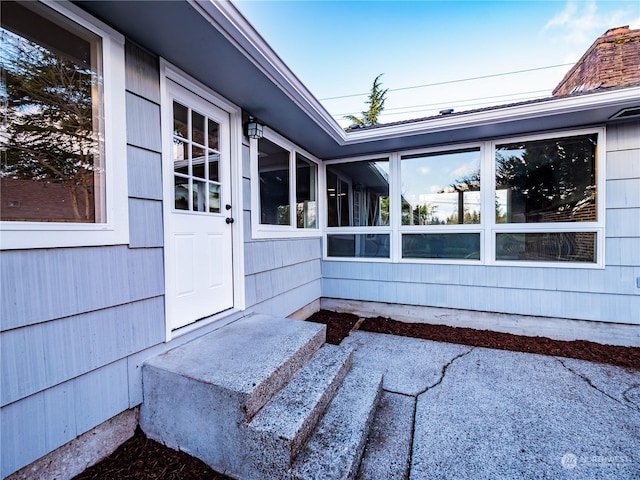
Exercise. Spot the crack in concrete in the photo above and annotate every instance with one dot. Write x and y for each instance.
(626, 392)
(588, 381)
(407, 474)
(444, 370)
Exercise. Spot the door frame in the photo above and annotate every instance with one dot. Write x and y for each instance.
(169, 72)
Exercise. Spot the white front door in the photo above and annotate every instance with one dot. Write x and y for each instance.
(197, 176)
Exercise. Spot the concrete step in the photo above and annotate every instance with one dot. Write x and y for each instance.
(278, 432)
(198, 395)
(335, 447)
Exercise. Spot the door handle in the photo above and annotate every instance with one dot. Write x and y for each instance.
(229, 220)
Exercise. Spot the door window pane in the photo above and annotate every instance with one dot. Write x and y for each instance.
(441, 188)
(547, 247)
(441, 245)
(358, 194)
(197, 126)
(214, 198)
(306, 202)
(551, 180)
(358, 245)
(273, 172)
(181, 193)
(52, 167)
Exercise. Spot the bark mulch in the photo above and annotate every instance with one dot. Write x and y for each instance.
(140, 458)
(628, 357)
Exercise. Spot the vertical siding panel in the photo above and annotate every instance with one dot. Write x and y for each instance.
(100, 395)
(145, 223)
(142, 72)
(623, 164)
(623, 193)
(144, 173)
(623, 136)
(59, 407)
(23, 433)
(143, 123)
(23, 363)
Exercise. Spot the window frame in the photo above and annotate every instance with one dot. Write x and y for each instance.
(478, 228)
(488, 228)
(264, 231)
(597, 226)
(115, 230)
(362, 230)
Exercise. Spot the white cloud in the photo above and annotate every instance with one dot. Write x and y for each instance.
(424, 170)
(464, 170)
(580, 23)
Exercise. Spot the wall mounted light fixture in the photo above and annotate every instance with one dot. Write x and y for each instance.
(254, 128)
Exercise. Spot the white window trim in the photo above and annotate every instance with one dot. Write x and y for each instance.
(115, 231)
(260, 231)
(487, 228)
(598, 226)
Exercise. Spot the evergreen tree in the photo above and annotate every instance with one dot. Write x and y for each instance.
(376, 100)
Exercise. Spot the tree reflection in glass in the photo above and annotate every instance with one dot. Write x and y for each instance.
(50, 143)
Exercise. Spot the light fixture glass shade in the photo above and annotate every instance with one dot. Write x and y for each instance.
(254, 128)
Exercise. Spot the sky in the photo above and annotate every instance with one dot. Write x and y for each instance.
(432, 53)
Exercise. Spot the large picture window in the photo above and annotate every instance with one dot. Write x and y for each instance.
(52, 155)
(533, 201)
(58, 143)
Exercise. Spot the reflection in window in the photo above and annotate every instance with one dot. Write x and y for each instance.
(441, 188)
(358, 194)
(358, 245)
(273, 171)
(52, 153)
(306, 201)
(441, 245)
(549, 247)
(195, 163)
(551, 180)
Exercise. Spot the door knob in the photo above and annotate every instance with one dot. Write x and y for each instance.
(229, 220)
(227, 207)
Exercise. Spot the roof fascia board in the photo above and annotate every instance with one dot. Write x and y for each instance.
(227, 19)
(499, 115)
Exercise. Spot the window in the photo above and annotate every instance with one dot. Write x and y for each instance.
(530, 201)
(59, 148)
(440, 191)
(546, 197)
(358, 196)
(286, 186)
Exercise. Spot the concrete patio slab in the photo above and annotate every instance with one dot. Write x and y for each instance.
(387, 452)
(393, 357)
(492, 414)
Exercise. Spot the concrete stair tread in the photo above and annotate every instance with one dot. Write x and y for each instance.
(253, 357)
(335, 447)
(283, 425)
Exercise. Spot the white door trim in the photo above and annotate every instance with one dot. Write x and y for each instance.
(170, 72)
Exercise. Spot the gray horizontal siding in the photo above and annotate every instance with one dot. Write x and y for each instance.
(145, 223)
(144, 173)
(275, 270)
(623, 136)
(40, 356)
(42, 285)
(142, 72)
(143, 123)
(575, 305)
(45, 421)
(623, 164)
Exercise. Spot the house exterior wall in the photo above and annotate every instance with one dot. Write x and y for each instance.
(281, 275)
(606, 295)
(77, 323)
(73, 317)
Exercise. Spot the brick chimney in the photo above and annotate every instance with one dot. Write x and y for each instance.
(612, 61)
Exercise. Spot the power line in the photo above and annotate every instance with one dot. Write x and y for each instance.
(448, 82)
(449, 102)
